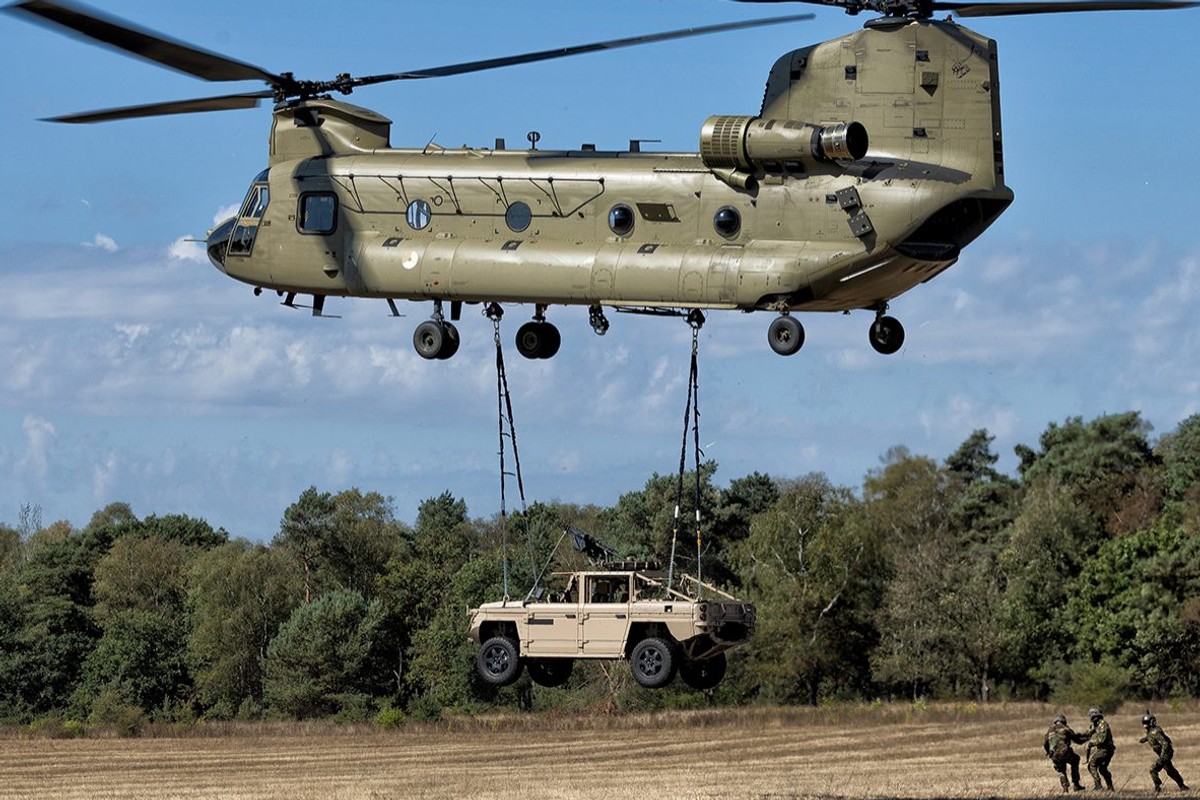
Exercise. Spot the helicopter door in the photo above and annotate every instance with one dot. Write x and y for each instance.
(246, 229)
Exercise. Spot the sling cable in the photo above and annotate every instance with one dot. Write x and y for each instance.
(507, 429)
(691, 420)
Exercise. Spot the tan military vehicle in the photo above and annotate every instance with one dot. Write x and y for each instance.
(628, 614)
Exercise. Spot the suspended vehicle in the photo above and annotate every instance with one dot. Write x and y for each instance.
(875, 158)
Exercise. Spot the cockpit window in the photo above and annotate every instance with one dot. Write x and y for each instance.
(241, 243)
(256, 202)
(318, 212)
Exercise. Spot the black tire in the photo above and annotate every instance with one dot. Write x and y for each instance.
(429, 338)
(887, 335)
(529, 340)
(702, 675)
(785, 335)
(551, 341)
(538, 340)
(652, 662)
(450, 341)
(550, 672)
(499, 661)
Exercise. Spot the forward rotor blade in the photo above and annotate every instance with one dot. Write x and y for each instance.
(91, 25)
(1051, 7)
(222, 103)
(563, 52)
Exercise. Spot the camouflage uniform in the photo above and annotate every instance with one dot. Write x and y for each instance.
(1161, 744)
(1100, 748)
(1057, 745)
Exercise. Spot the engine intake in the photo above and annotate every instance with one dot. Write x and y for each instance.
(747, 144)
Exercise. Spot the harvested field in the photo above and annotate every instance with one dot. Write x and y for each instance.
(888, 752)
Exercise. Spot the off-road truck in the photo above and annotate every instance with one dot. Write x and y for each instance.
(612, 613)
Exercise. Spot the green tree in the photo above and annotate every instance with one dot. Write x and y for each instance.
(412, 588)
(316, 664)
(1180, 455)
(1102, 463)
(238, 596)
(812, 567)
(341, 541)
(11, 545)
(1050, 539)
(58, 629)
(1126, 606)
(141, 658)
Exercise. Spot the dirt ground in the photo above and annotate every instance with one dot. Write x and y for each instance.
(888, 752)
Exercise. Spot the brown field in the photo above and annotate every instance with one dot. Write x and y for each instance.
(846, 752)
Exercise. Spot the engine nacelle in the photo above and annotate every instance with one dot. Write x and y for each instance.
(747, 144)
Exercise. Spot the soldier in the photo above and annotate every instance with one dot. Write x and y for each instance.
(1161, 743)
(1100, 748)
(1057, 745)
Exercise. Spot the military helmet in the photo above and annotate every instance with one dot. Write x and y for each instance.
(1094, 712)
(1061, 718)
(1148, 721)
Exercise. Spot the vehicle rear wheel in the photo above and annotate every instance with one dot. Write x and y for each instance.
(704, 674)
(652, 662)
(499, 661)
(551, 671)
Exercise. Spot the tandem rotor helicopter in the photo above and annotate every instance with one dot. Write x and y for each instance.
(875, 159)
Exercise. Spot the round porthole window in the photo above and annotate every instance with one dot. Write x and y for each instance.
(727, 222)
(620, 219)
(518, 216)
(418, 214)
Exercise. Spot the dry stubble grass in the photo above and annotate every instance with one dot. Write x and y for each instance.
(890, 752)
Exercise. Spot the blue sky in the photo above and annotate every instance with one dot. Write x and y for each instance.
(134, 371)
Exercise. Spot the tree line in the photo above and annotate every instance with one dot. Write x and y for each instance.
(1077, 580)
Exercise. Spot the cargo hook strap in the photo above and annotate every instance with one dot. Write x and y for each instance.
(691, 419)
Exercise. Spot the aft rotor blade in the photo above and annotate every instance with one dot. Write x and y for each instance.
(1050, 7)
(117, 33)
(563, 52)
(222, 103)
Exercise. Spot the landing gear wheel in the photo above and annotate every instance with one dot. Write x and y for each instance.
(430, 338)
(652, 662)
(887, 335)
(785, 335)
(499, 662)
(551, 672)
(450, 341)
(538, 340)
(702, 675)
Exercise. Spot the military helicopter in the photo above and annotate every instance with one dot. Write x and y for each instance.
(874, 160)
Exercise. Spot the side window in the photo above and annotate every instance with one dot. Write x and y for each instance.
(318, 212)
(607, 589)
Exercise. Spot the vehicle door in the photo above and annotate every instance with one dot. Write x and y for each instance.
(553, 626)
(605, 615)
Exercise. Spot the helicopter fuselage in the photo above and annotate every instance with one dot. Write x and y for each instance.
(789, 210)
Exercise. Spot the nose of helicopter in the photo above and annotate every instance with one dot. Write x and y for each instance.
(217, 243)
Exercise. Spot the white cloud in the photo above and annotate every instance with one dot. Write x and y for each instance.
(187, 248)
(102, 242)
(39, 438)
(225, 212)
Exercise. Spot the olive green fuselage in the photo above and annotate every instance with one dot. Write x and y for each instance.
(676, 230)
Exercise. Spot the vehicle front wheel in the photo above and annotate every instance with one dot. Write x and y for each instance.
(702, 675)
(652, 662)
(551, 672)
(499, 661)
